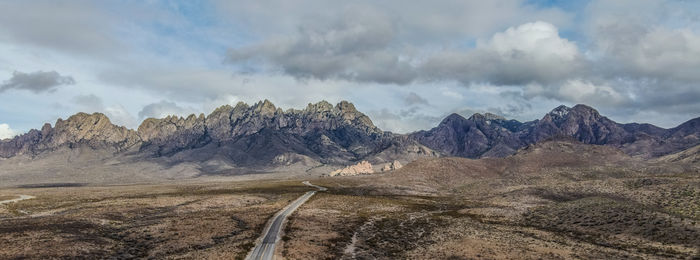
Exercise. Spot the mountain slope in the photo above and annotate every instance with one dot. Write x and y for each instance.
(89, 130)
(490, 136)
(254, 136)
(262, 136)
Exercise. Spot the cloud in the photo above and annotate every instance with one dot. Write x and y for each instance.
(79, 27)
(120, 116)
(531, 52)
(6, 131)
(421, 22)
(162, 109)
(36, 82)
(578, 91)
(90, 102)
(117, 113)
(355, 47)
(363, 50)
(414, 99)
(404, 121)
(628, 58)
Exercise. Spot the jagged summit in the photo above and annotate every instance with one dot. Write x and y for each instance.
(244, 135)
(261, 133)
(454, 117)
(486, 117)
(560, 111)
(488, 135)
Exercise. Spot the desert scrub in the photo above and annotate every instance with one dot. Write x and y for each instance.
(603, 221)
(683, 201)
(392, 236)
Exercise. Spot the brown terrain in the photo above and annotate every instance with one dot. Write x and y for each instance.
(558, 199)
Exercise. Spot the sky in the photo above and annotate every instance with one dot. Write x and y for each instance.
(406, 64)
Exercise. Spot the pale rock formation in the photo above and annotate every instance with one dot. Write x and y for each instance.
(395, 165)
(363, 167)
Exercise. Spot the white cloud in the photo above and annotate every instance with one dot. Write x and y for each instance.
(120, 116)
(528, 53)
(6, 131)
(541, 40)
(580, 91)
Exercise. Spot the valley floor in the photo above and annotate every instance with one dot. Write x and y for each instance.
(598, 214)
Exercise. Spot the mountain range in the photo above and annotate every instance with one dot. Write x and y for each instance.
(262, 136)
(489, 135)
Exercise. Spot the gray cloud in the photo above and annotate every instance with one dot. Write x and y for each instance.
(364, 50)
(367, 43)
(404, 121)
(90, 102)
(629, 54)
(79, 27)
(37, 82)
(420, 21)
(415, 99)
(162, 109)
(354, 47)
(628, 58)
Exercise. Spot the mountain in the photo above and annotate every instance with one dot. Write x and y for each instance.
(478, 136)
(262, 137)
(256, 136)
(88, 130)
(690, 155)
(559, 158)
(492, 136)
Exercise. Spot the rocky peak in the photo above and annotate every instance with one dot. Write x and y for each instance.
(95, 129)
(453, 119)
(490, 116)
(223, 109)
(559, 112)
(486, 117)
(586, 112)
(346, 107)
(264, 108)
(318, 108)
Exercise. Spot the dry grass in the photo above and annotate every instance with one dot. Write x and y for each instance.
(191, 221)
(585, 202)
(554, 201)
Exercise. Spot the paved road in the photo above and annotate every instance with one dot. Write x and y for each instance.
(21, 197)
(265, 249)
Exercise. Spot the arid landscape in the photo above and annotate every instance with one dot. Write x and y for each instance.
(559, 199)
(317, 129)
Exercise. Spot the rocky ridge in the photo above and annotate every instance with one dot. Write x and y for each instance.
(482, 136)
(263, 135)
(90, 130)
(242, 135)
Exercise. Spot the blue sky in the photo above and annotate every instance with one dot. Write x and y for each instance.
(406, 64)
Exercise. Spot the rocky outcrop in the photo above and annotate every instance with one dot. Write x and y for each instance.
(173, 134)
(363, 167)
(395, 165)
